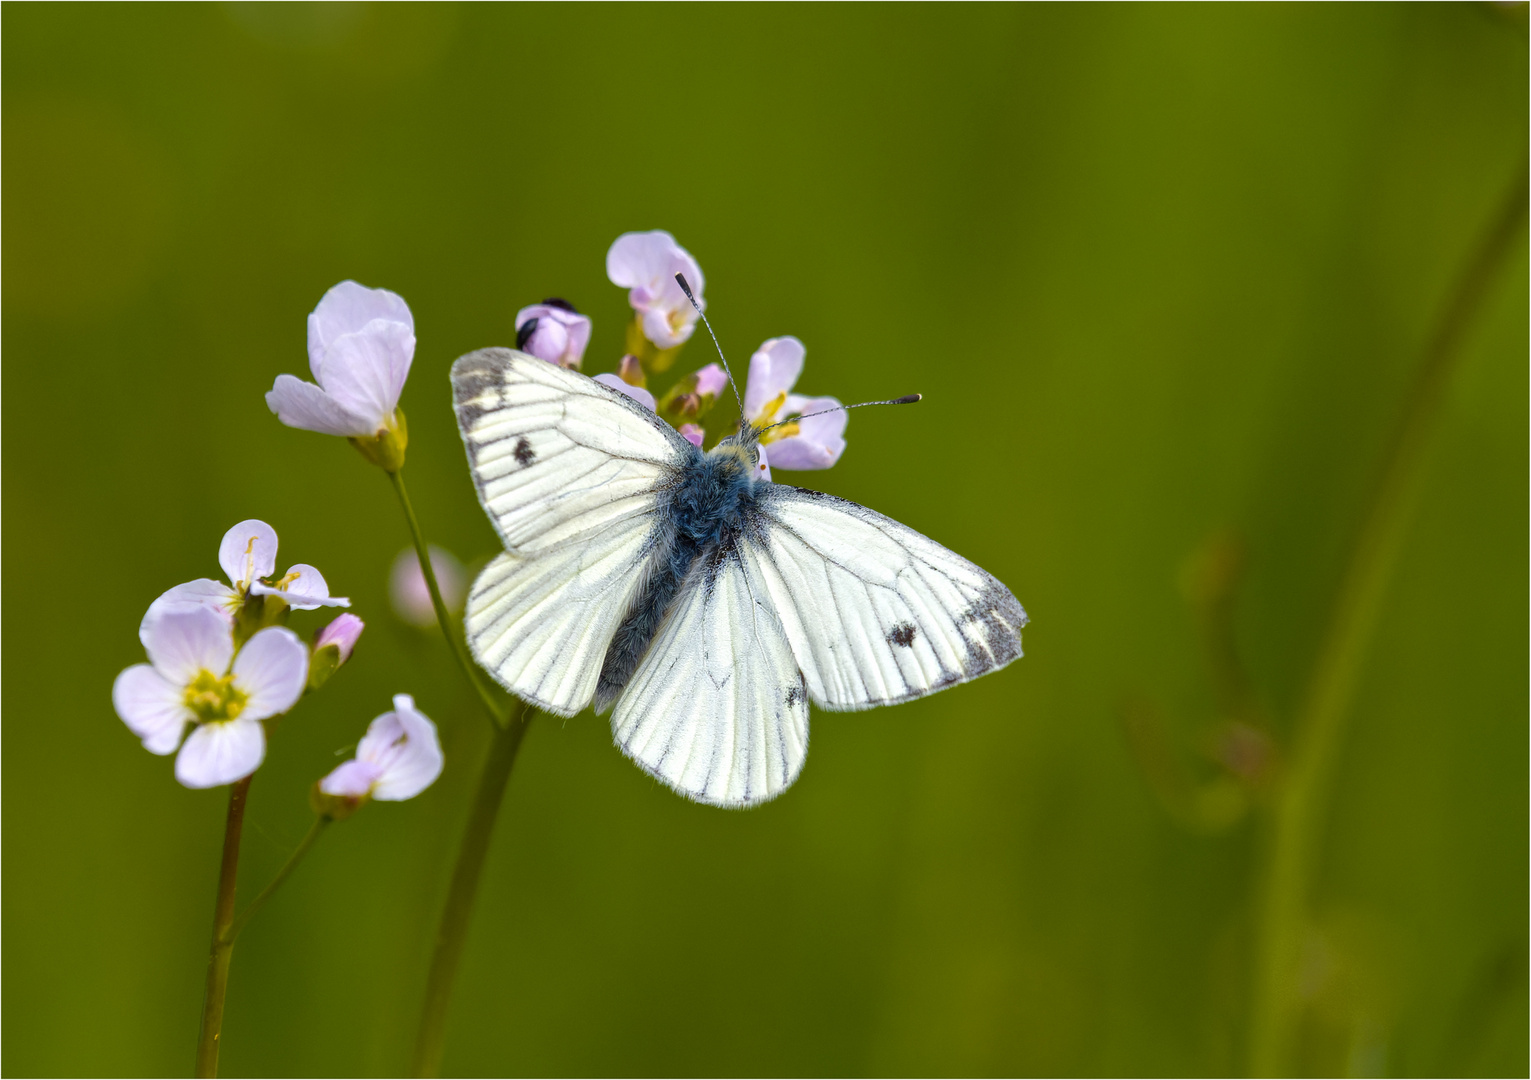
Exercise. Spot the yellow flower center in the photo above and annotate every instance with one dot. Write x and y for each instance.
(282, 583)
(768, 413)
(214, 699)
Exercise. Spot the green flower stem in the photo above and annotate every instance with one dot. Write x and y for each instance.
(497, 713)
(232, 933)
(458, 912)
(223, 916)
(1301, 801)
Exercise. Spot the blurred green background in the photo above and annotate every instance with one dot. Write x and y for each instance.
(1162, 273)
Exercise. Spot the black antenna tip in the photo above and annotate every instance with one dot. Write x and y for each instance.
(907, 399)
(681, 280)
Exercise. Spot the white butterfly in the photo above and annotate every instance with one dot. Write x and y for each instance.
(707, 605)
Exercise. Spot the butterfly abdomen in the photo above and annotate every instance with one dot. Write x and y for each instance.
(711, 501)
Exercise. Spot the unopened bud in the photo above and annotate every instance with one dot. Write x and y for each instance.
(343, 633)
(631, 371)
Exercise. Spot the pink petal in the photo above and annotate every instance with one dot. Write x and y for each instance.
(347, 308)
(247, 552)
(351, 779)
(774, 369)
(204, 592)
(153, 708)
(343, 633)
(272, 669)
(221, 753)
(304, 591)
(303, 405)
(185, 641)
(365, 372)
(637, 393)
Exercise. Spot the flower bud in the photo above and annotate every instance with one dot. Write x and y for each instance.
(630, 370)
(342, 633)
(693, 396)
(553, 331)
(386, 448)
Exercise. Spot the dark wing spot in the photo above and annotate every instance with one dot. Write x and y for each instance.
(794, 695)
(901, 635)
(525, 455)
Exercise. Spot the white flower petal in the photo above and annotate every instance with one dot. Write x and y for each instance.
(272, 669)
(404, 746)
(221, 753)
(774, 369)
(762, 467)
(347, 308)
(204, 592)
(303, 405)
(637, 393)
(304, 591)
(187, 640)
(365, 372)
(152, 707)
(351, 779)
(248, 551)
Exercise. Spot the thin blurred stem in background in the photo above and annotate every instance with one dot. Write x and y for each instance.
(232, 933)
(222, 948)
(1301, 800)
(497, 713)
(509, 729)
(458, 912)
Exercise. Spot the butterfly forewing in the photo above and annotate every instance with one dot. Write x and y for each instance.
(875, 612)
(556, 456)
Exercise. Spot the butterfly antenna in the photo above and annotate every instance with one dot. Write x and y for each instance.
(907, 399)
(680, 280)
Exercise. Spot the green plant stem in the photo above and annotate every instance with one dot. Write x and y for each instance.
(223, 916)
(1301, 799)
(232, 933)
(497, 714)
(458, 912)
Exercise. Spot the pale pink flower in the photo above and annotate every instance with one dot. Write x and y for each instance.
(818, 441)
(399, 757)
(646, 264)
(361, 343)
(190, 680)
(411, 596)
(553, 331)
(247, 554)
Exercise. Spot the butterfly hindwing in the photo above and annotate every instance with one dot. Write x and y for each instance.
(542, 625)
(717, 708)
(875, 612)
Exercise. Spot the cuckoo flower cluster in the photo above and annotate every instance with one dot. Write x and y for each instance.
(645, 264)
(223, 666)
